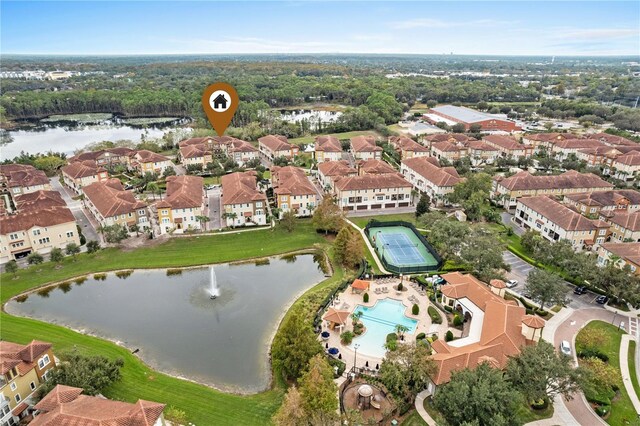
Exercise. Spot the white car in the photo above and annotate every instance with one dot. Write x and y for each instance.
(512, 283)
(565, 347)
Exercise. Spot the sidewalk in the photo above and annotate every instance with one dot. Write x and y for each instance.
(366, 241)
(420, 408)
(626, 374)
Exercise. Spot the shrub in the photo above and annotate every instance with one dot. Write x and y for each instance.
(415, 309)
(346, 338)
(80, 280)
(457, 320)
(93, 246)
(99, 277)
(391, 345)
(35, 259)
(448, 308)
(337, 363)
(540, 404)
(421, 336)
(593, 353)
(358, 328)
(365, 298)
(603, 410)
(400, 287)
(434, 337)
(436, 318)
(175, 271)
(392, 337)
(175, 415)
(124, 274)
(449, 336)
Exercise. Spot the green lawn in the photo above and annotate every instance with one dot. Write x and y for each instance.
(413, 419)
(345, 135)
(362, 221)
(632, 366)
(211, 180)
(622, 411)
(203, 405)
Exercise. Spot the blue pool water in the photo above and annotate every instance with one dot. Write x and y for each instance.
(380, 320)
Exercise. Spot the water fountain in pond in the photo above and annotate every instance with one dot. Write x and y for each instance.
(214, 291)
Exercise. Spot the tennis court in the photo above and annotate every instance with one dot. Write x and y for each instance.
(399, 246)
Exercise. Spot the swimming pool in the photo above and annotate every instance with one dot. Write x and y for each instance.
(380, 320)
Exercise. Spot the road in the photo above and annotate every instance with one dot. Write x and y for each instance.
(214, 201)
(520, 271)
(88, 228)
(506, 221)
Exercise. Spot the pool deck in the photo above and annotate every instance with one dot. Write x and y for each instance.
(349, 300)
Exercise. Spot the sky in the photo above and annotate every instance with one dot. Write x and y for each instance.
(477, 27)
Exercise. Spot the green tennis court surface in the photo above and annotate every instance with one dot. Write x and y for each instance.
(399, 246)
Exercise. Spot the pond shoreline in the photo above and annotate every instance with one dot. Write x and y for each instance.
(229, 389)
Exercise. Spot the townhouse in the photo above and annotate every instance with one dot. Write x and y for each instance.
(427, 177)
(41, 221)
(82, 173)
(498, 328)
(145, 161)
(374, 167)
(329, 171)
(195, 155)
(22, 369)
(370, 192)
(546, 140)
(365, 148)
(65, 405)
(108, 158)
(182, 206)
(446, 137)
(449, 151)
(603, 203)
(276, 146)
(407, 147)
(612, 140)
(508, 146)
(327, 148)
(562, 149)
(623, 254)
(23, 179)
(481, 153)
(506, 191)
(243, 203)
(625, 167)
(110, 204)
(293, 191)
(555, 221)
(478, 152)
(242, 152)
(625, 226)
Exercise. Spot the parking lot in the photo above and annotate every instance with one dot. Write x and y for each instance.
(520, 271)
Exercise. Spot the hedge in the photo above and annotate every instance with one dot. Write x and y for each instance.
(436, 318)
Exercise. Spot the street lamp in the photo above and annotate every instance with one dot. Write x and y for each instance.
(355, 355)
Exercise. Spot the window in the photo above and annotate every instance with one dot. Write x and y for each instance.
(44, 361)
(43, 240)
(285, 198)
(36, 232)
(258, 203)
(32, 386)
(13, 236)
(13, 386)
(285, 206)
(18, 397)
(69, 234)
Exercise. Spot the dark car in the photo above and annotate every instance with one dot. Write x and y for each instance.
(580, 290)
(602, 299)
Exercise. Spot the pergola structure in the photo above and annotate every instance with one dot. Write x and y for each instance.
(358, 286)
(336, 318)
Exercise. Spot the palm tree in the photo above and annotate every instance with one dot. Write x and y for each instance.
(400, 330)
(203, 221)
(232, 216)
(153, 188)
(355, 317)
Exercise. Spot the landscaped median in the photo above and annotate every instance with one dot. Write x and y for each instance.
(202, 404)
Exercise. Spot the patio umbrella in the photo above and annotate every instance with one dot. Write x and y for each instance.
(366, 364)
(333, 351)
(377, 366)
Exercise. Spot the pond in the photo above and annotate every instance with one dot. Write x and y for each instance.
(66, 137)
(179, 329)
(313, 117)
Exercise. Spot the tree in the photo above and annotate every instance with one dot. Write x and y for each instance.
(328, 216)
(458, 128)
(539, 372)
(348, 247)
(591, 339)
(91, 373)
(288, 220)
(12, 268)
(546, 287)
(294, 345)
(483, 252)
(355, 317)
(473, 195)
(154, 189)
(319, 391)
(400, 330)
(203, 221)
(56, 255)
(599, 375)
(72, 249)
(115, 233)
(423, 205)
(407, 371)
(291, 412)
(35, 258)
(482, 395)
(93, 246)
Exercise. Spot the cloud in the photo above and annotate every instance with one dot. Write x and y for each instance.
(438, 23)
(599, 33)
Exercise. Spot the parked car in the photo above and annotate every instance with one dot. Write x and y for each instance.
(602, 299)
(580, 290)
(512, 283)
(565, 347)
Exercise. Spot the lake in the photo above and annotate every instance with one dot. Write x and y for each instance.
(310, 115)
(177, 327)
(68, 138)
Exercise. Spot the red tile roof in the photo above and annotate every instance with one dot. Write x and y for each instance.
(38, 209)
(374, 167)
(404, 143)
(14, 354)
(111, 199)
(627, 220)
(630, 252)
(336, 168)
(145, 156)
(80, 169)
(291, 180)
(276, 142)
(183, 192)
(561, 215)
(241, 187)
(328, 144)
(20, 175)
(371, 182)
(194, 151)
(506, 142)
(570, 179)
(364, 144)
(439, 176)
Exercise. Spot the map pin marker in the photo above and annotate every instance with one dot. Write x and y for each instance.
(220, 102)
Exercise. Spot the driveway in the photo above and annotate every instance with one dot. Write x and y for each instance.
(214, 209)
(520, 271)
(88, 228)
(506, 220)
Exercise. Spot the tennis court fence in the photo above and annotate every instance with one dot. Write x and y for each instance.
(404, 269)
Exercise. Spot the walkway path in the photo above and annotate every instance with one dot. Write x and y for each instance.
(369, 247)
(420, 408)
(626, 374)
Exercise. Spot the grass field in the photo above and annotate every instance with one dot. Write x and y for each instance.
(203, 405)
(622, 411)
(346, 135)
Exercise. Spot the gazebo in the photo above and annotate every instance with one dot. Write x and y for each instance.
(365, 392)
(358, 286)
(336, 317)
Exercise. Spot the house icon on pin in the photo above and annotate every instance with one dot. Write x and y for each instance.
(220, 102)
